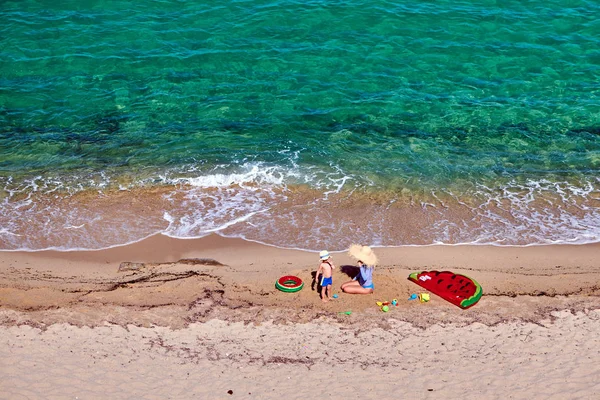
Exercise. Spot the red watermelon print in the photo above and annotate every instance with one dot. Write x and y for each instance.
(457, 289)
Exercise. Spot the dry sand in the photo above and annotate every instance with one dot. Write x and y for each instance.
(179, 319)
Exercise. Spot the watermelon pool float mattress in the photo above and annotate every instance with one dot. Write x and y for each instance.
(458, 289)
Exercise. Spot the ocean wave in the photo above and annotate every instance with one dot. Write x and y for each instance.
(267, 205)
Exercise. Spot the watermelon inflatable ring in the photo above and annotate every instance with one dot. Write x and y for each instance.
(289, 284)
(457, 289)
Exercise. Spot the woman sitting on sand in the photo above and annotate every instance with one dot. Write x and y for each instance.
(363, 282)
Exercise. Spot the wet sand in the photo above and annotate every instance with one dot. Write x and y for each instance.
(168, 318)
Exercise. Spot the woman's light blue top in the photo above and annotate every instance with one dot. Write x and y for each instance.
(365, 277)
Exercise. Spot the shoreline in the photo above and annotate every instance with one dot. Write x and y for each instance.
(293, 217)
(261, 243)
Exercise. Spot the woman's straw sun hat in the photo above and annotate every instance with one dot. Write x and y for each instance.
(364, 254)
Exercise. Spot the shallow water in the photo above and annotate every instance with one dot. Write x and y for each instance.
(303, 125)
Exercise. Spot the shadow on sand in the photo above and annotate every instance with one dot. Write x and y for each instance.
(350, 270)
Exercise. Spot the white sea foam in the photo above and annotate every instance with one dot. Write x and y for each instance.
(74, 227)
(254, 202)
(7, 232)
(255, 176)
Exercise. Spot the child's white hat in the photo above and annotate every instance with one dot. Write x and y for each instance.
(324, 255)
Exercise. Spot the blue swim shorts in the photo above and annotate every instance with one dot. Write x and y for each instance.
(326, 281)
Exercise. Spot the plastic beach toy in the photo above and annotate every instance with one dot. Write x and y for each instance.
(385, 309)
(413, 297)
(395, 302)
(424, 297)
(289, 284)
(345, 312)
(379, 303)
(335, 296)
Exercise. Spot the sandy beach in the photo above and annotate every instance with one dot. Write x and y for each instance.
(172, 318)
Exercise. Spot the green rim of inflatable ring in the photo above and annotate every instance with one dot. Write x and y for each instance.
(289, 284)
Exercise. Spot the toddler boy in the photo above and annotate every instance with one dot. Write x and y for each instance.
(326, 270)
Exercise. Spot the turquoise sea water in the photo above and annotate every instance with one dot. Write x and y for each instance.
(299, 124)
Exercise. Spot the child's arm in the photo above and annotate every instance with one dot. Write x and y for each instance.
(320, 269)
